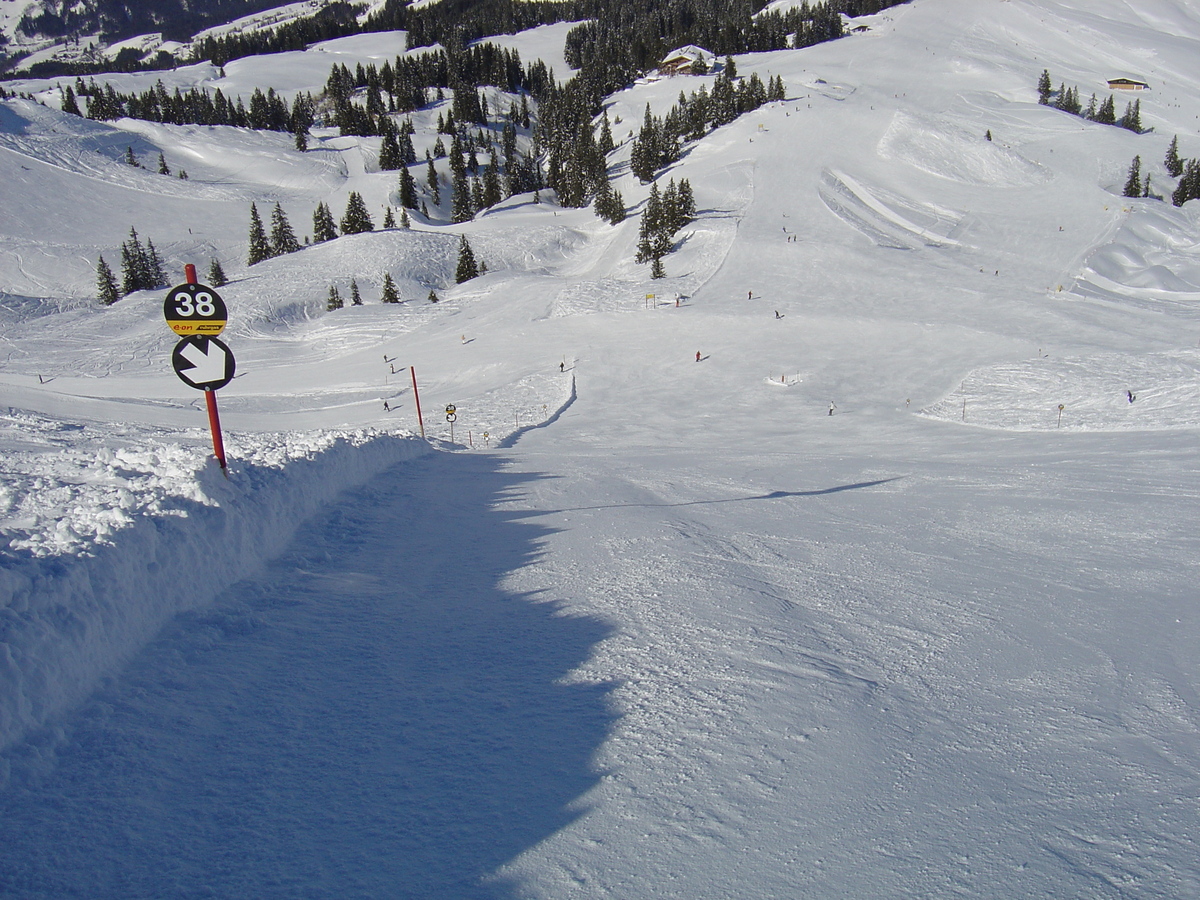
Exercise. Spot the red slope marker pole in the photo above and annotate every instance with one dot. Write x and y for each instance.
(189, 273)
(214, 422)
(413, 371)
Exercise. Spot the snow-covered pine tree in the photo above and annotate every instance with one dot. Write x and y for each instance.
(462, 209)
(644, 154)
(1189, 184)
(671, 221)
(603, 204)
(355, 296)
(408, 189)
(324, 228)
(260, 247)
(1133, 183)
(106, 284)
(356, 219)
(1172, 162)
(283, 239)
(68, 102)
(333, 300)
(216, 274)
(492, 193)
(131, 252)
(431, 180)
(1107, 113)
(390, 294)
(687, 202)
(156, 275)
(467, 267)
(1132, 120)
(1045, 87)
(137, 273)
(605, 145)
(408, 155)
(389, 148)
(654, 231)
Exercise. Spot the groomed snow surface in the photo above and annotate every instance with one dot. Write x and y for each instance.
(891, 594)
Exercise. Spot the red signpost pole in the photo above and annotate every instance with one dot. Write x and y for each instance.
(214, 422)
(412, 370)
(189, 273)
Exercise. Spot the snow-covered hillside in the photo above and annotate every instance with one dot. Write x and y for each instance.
(855, 557)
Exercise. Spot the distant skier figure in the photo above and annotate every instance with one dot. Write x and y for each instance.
(697, 356)
(749, 295)
(1131, 396)
(386, 408)
(831, 407)
(777, 315)
(562, 367)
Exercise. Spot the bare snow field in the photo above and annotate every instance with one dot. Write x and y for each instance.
(891, 593)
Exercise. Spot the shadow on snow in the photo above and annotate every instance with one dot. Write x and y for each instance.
(372, 716)
(773, 495)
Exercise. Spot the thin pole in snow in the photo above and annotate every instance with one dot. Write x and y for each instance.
(214, 422)
(420, 421)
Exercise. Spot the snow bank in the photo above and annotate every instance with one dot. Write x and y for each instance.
(1151, 262)
(141, 532)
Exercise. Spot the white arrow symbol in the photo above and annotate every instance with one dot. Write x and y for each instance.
(207, 365)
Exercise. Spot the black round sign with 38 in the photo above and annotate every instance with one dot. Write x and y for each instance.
(195, 309)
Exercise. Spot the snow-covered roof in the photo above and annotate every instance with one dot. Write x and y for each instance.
(689, 53)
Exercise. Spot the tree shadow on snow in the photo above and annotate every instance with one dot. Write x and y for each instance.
(373, 716)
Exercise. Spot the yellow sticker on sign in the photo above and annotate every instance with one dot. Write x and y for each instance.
(184, 327)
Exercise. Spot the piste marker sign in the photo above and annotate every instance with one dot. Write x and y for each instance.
(195, 309)
(204, 363)
(195, 313)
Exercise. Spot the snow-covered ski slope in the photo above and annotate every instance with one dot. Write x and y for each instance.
(892, 594)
